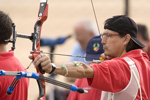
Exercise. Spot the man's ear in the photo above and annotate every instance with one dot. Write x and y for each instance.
(127, 39)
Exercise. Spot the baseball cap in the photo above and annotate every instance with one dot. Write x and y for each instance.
(94, 49)
(124, 25)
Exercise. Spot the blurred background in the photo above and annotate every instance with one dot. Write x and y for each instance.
(62, 15)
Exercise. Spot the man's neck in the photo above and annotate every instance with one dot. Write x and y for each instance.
(121, 53)
(3, 48)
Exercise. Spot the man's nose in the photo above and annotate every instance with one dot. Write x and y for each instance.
(103, 41)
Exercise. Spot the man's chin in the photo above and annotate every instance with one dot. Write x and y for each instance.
(106, 53)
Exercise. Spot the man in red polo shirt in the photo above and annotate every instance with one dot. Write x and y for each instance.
(125, 77)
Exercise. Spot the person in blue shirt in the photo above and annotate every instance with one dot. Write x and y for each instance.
(84, 30)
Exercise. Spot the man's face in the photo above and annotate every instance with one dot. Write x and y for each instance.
(81, 34)
(113, 44)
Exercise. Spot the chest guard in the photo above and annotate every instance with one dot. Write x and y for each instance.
(131, 90)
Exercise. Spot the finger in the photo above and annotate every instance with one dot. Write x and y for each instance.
(108, 57)
(46, 65)
(103, 56)
(37, 60)
(47, 68)
(45, 62)
(41, 59)
(30, 57)
(45, 58)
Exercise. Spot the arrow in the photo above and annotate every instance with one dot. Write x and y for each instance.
(100, 58)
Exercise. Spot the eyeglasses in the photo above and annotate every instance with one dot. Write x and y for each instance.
(106, 35)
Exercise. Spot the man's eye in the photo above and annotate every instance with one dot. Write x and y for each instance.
(107, 34)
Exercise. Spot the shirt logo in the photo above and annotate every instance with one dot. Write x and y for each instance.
(96, 47)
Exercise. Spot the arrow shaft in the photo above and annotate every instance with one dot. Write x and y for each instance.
(65, 55)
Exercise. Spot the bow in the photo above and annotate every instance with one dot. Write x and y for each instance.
(35, 38)
(42, 16)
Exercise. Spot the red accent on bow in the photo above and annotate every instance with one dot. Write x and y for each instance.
(42, 16)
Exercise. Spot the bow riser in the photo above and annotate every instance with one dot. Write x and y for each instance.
(42, 16)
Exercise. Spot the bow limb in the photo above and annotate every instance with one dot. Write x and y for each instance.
(42, 16)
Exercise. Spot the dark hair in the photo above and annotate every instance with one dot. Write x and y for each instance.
(131, 45)
(143, 32)
(5, 27)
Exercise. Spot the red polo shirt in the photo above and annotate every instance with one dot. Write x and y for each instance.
(114, 75)
(9, 62)
(93, 93)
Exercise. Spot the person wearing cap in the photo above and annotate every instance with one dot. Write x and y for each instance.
(126, 76)
(93, 51)
(143, 36)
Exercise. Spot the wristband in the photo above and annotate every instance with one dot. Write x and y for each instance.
(76, 65)
(65, 68)
(53, 68)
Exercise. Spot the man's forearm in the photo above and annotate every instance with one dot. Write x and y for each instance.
(71, 70)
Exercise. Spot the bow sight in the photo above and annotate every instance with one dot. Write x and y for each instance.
(33, 38)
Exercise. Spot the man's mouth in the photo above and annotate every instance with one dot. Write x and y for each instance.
(104, 47)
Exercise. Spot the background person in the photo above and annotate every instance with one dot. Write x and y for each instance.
(9, 62)
(125, 76)
(143, 36)
(84, 30)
